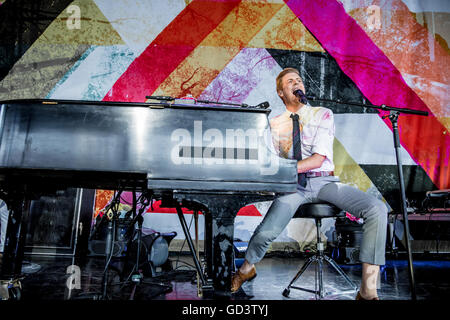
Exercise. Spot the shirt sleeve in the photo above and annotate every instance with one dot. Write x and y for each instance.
(324, 138)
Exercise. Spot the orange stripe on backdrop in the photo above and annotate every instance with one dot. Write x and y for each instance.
(233, 34)
(285, 32)
(424, 64)
(102, 198)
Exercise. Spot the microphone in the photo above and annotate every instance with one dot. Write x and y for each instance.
(301, 95)
(263, 105)
(163, 98)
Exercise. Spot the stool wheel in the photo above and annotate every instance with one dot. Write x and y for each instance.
(286, 292)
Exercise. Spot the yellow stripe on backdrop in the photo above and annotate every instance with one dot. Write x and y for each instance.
(56, 51)
(39, 70)
(93, 28)
(350, 172)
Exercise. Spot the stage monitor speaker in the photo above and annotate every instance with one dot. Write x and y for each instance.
(154, 252)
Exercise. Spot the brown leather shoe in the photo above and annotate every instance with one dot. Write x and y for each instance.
(359, 297)
(239, 278)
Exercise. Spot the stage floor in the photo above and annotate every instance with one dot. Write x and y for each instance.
(47, 278)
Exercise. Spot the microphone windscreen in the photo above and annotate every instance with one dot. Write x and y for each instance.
(299, 94)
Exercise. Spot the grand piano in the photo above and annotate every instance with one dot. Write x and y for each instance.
(209, 157)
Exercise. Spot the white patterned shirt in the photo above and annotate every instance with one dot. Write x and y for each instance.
(317, 134)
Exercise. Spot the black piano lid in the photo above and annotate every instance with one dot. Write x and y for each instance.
(155, 105)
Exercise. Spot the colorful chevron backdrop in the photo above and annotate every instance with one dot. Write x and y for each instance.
(388, 52)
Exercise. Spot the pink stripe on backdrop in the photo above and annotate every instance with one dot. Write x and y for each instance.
(425, 138)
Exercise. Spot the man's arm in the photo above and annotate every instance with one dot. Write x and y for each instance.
(313, 162)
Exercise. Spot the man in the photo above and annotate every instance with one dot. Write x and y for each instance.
(316, 182)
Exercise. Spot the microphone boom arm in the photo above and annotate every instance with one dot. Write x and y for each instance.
(382, 107)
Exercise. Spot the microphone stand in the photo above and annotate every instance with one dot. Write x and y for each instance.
(137, 278)
(109, 247)
(393, 117)
(109, 243)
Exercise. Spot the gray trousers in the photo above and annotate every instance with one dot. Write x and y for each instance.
(356, 202)
(4, 214)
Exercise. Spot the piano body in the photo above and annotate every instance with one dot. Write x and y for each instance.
(209, 157)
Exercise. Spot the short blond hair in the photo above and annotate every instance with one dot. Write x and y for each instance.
(282, 74)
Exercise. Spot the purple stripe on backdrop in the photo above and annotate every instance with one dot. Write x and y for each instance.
(235, 82)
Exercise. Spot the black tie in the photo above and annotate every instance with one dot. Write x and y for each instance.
(297, 146)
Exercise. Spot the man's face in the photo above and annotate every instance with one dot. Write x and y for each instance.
(290, 82)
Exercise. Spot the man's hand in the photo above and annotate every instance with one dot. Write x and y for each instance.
(313, 162)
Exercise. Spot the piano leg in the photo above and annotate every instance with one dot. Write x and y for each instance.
(219, 235)
(220, 211)
(11, 266)
(221, 252)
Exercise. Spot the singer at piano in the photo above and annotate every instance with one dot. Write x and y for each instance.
(319, 183)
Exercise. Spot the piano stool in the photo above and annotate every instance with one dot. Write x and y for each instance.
(318, 211)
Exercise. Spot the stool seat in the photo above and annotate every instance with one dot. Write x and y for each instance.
(318, 210)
